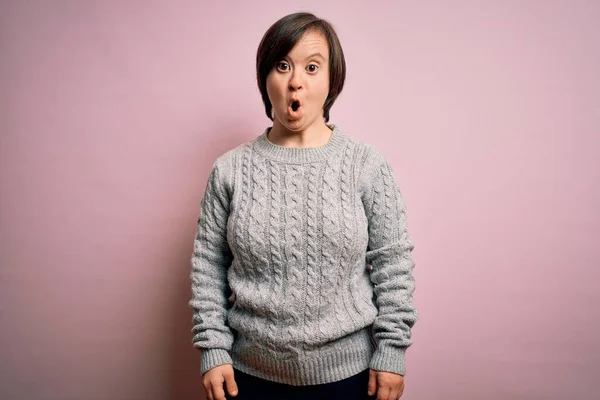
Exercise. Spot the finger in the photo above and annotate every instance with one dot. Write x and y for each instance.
(401, 390)
(372, 386)
(207, 389)
(383, 393)
(230, 384)
(394, 394)
(217, 390)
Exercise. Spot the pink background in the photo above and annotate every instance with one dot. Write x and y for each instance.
(113, 112)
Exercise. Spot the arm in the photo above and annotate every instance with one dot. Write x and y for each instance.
(210, 261)
(389, 254)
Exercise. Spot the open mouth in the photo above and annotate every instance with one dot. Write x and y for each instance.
(295, 105)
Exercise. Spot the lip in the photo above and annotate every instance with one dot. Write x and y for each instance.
(294, 114)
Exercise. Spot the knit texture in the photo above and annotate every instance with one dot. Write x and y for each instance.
(302, 267)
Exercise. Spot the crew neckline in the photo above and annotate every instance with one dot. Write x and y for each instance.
(297, 155)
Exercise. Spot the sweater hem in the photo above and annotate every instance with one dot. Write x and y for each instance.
(343, 358)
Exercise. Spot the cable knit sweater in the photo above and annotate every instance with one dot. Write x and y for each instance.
(302, 267)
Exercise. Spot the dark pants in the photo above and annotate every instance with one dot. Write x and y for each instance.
(253, 388)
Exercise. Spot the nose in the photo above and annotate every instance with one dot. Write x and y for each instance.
(295, 82)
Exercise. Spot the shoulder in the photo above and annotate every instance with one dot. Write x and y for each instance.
(366, 154)
(369, 159)
(371, 163)
(373, 157)
(226, 164)
(228, 159)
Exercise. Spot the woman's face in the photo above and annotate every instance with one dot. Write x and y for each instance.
(298, 84)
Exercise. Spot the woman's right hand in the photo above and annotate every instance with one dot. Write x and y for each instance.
(213, 382)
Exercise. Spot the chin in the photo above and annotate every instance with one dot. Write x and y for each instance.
(294, 126)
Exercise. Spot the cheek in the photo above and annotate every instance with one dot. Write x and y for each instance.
(273, 89)
(321, 90)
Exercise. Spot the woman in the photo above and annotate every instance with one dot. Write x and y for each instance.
(302, 271)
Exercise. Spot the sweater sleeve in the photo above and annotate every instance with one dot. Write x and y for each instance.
(389, 254)
(210, 260)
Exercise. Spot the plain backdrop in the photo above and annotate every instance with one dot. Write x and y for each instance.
(112, 113)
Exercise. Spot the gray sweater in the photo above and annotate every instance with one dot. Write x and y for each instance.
(302, 267)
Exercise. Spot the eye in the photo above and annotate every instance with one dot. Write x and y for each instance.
(283, 66)
(312, 68)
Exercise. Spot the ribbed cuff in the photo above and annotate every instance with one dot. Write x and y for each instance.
(211, 358)
(389, 359)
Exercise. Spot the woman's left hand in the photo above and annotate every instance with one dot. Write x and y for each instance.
(387, 385)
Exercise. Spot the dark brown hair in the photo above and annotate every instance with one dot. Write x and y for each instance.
(279, 40)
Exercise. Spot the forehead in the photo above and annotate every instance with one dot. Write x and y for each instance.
(310, 43)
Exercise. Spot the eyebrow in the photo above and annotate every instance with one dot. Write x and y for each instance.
(316, 55)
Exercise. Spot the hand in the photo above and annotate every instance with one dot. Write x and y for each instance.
(213, 382)
(387, 385)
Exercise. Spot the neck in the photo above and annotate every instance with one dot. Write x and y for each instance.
(315, 135)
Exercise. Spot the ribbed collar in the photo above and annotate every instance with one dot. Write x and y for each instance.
(300, 155)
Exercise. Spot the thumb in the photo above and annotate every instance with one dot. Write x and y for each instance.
(230, 384)
(372, 387)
